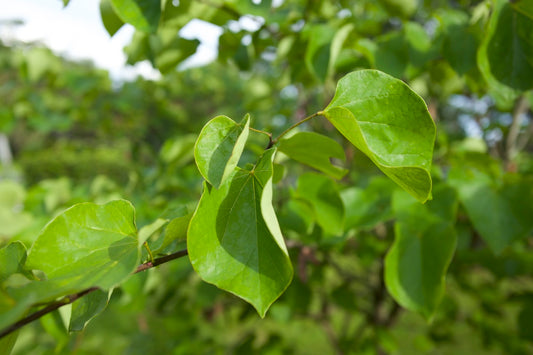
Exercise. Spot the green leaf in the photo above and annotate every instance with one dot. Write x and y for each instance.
(95, 244)
(88, 245)
(142, 14)
(175, 230)
(7, 343)
(219, 147)
(388, 122)
(425, 240)
(315, 150)
(317, 54)
(499, 211)
(524, 6)
(322, 194)
(111, 21)
(508, 46)
(150, 229)
(234, 240)
(368, 206)
(12, 260)
(86, 308)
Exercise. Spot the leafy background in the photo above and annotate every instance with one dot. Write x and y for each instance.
(77, 136)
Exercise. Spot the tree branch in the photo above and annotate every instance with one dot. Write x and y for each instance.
(521, 107)
(71, 298)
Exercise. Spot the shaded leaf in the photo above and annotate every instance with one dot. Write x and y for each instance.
(111, 21)
(219, 147)
(425, 240)
(321, 193)
(388, 122)
(315, 150)
(509, 46)
(234, 240)
(86, 308)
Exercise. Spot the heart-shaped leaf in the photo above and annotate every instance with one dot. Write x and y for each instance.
(219, 147)
(388, 122)
(234, 240)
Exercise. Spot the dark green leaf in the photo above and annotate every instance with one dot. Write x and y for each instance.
(111, 21)
(509, 46)
(500, 212)
(388, 122)
(314, 150)
(234, 240)
(416, 264)
(219, 148)
(142, 14)
(86, 308)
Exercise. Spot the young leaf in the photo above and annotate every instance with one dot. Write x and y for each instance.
(111, 21)
(94, 244)
(323, 196)
(12, 260)
(219, 147)
(86, 308)
(142, 14)
(388, 122)
(315, 150)
(425, 240)
(234, 240)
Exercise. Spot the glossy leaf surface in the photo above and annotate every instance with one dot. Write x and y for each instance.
(315, 150)
(388, 122)
(234, 240)
(219, 148)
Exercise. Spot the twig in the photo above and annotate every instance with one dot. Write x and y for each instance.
(319, 113)
(520, 108)
(71, 298)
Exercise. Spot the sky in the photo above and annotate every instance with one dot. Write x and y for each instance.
(77, 32)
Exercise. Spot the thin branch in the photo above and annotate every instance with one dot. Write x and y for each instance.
(521, 107)
(319, 113)
(268, 134)
(71, 298)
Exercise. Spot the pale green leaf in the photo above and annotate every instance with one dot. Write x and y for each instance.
(315, 150)
(150, 229)
(142, 14)
(234, 240)
(219, 147)
(111, 21)
(322, 194)
(388, 122)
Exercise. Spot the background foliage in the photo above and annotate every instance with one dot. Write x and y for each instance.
(362, 250)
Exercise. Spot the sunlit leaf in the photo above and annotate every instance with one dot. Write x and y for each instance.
(219, 148)
(388, 122)
(142, 14)
(234, 240)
